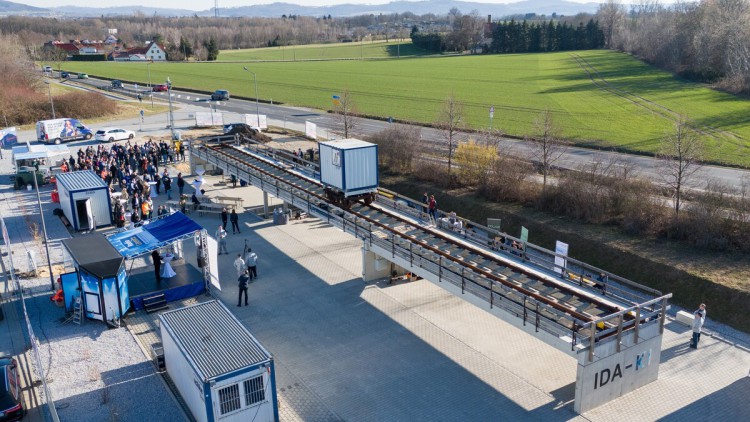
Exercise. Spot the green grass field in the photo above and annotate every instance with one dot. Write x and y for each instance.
(367, 49)
(598, 98)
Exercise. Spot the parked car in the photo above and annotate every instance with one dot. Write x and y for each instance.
(160, 88)
(83, 76)
(116, 84)
(64, 75)
(11, 407)
(220, 95)
(111, 134)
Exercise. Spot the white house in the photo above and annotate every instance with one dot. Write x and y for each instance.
(156, 53)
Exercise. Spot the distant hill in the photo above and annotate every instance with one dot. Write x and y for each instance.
(11, 8)
(546, 7)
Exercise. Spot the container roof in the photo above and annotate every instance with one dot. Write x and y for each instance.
(95, 254)
(213, 339)
(80, 180)
(350, 143)
(30, 152)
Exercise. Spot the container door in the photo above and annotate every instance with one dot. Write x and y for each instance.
(92, 298)
(84, 214)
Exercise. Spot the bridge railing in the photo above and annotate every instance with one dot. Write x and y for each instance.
(514, 248)
(532, 312)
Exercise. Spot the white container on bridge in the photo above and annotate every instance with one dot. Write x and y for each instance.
(349, 166)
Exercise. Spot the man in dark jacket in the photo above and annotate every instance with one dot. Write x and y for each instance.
(242, 288)
(157, 264)
(224, 217)
(180, 183)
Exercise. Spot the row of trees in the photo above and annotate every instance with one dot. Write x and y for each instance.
(181, 34)
(24, 99)
(514, 37)
(606, 191)
(707, 41)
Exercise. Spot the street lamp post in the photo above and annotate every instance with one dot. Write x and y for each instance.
(52, 103)
(44, 231)
(150, 88)
(171, 115)
(257, 106)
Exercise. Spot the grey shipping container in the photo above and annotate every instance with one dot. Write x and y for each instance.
(349, 170)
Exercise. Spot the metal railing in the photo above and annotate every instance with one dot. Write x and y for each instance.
(542, 316)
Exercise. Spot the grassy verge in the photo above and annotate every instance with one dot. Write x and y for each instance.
(692, 277)
(599, 99)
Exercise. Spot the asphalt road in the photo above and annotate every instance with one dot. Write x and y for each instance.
(573, 158)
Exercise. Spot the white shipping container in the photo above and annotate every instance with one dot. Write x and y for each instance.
(349, 165)
(84, 199)
(221, 371)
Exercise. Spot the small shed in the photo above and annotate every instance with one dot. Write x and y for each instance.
(84, 199)
(222, 372)
(102, 280)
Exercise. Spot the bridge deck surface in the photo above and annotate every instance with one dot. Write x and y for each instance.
(411, 351)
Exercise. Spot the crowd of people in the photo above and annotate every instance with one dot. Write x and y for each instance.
(131, 171)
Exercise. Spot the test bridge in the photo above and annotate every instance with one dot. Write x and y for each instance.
(611, 325)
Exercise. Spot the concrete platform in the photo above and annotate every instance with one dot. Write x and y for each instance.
(349, 350)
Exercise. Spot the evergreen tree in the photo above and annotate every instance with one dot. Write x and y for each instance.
(212, 50)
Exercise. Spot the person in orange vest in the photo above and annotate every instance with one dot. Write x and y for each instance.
(146, 209)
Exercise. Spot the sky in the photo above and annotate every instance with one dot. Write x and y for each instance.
(207, 4)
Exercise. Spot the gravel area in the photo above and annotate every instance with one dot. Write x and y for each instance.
(97, 373)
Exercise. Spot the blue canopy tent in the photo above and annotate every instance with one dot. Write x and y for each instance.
(156, 234)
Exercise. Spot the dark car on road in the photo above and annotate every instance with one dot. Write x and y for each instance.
(11, 408)
(116, 84)
(160, 88)
(220, 95)
(64, 75)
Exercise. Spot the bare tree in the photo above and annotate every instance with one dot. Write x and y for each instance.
(611, 14)
(346, 111)
(449, 121)
(547, 146)
(398, 146)
(681, 151)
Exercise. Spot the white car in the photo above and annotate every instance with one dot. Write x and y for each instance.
(110, 134)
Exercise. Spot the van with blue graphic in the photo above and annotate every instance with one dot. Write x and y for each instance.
(61, 130)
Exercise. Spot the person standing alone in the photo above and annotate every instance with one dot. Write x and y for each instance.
(699, 317)
(234, 218)
(157, 264)
(224, 217)
(239, 265)
(433, 210)
(180, 183)
(242, 288)
(221, 234)
(251, 259)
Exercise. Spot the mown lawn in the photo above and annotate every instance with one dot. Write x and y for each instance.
(353, 50)
(628, 104)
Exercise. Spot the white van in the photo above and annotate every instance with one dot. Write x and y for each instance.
(47, 69)
(61, 130)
